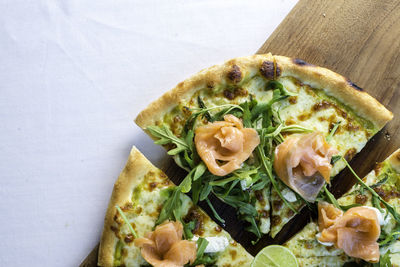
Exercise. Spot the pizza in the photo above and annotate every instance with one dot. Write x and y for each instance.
(262, 133)
(149, 221)
(310, 246)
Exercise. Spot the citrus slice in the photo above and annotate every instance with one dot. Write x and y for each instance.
(275, 256)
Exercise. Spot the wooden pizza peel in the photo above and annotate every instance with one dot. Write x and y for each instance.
(359, 39)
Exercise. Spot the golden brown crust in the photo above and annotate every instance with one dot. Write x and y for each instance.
(394, 160)
(332, 83)
(337, 86)
(218, 74)
(136, 167)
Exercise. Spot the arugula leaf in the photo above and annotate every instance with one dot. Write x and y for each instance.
(335, 158)
(202, 243)
(197, 187)
(126, 221)
(165, 136)
(267, 164)
(253, 228)
(201, 257)
(205, 191)
(173, 202)
(241, 174)
(246, 114)
(347, 207)
(203, 106)
(193, 175)
(216, 215)
(333, 131)
(172, 210)
(199, 170)
(231, 187)
(390, 208)
(376, 204)
(262, 183)
(277, 85)
(393, 236)
(331, 197)
(188, 228)
(380, 182)
(384, 261)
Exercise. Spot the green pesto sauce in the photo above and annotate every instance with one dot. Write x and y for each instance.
(136, 193)
(366, 124)
(393, 177)
(118, 253)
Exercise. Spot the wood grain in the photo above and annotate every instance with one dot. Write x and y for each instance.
(359, 39)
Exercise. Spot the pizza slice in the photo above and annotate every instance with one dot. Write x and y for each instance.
(150, 222)
(224, 124)
(378, 193)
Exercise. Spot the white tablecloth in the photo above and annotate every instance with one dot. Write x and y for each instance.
(73, 75)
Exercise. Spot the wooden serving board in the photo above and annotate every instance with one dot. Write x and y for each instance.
(359, 39)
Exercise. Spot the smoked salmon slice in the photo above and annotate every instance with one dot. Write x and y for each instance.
(225, 145)
(356, 231)
(302, 162)
(164, 246)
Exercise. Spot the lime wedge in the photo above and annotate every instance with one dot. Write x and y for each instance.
(275, 256)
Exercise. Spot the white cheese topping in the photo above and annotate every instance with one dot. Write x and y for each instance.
(243, 184)
(289, 195)
(328, 244)
(215, 243)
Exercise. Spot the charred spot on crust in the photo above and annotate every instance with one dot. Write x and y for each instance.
(301, 62)
(210, 85)
(355, 86)
(235, 75)
(268, 70)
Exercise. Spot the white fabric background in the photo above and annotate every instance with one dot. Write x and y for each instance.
(73, 75)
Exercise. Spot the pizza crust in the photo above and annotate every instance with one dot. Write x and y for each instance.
(394, 160)
(136, 166)
(332, 83)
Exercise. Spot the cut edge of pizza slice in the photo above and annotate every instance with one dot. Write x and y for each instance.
(298, 97)
(141, 193)
(385, 180)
